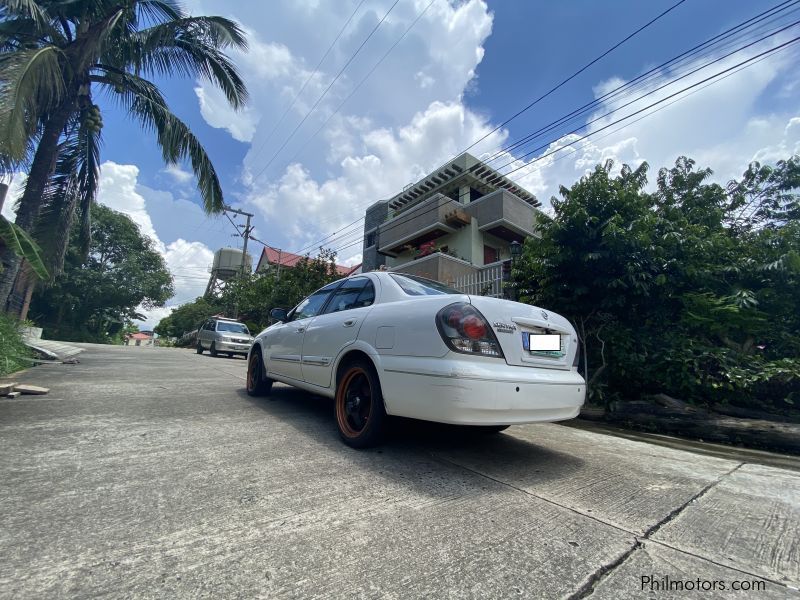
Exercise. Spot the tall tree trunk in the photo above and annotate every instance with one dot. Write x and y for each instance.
(42, 167)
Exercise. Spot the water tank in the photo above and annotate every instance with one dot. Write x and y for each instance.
(228, 263)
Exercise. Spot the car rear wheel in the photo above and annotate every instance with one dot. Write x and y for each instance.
(199, 348)
(360, 414)
(213, 350)
(257, 383)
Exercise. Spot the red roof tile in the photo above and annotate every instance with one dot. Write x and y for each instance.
(287, 259)
(140, 336)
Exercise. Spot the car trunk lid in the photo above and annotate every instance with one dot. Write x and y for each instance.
(514, 323)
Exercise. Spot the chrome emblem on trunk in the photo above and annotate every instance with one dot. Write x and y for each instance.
(504, 327)
(545, 315)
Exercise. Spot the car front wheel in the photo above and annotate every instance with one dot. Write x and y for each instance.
(199, 348)
(257, 383)
(360, 414)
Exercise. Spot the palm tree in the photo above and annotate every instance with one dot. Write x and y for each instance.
(55, 55)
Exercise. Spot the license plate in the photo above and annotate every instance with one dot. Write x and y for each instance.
(544, 342)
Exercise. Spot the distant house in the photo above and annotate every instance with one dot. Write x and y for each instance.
(140, 338)
(271, 258)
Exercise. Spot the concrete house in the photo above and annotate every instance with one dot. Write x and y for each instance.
(455, 225)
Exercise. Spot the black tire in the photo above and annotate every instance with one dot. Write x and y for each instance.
(230, 354)
(491, 429)
(360, 413)
(213, 350)
(199, 348)
(257, 383)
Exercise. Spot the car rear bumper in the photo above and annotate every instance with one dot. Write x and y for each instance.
(479, 391)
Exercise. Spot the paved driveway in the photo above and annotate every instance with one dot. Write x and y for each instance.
(149, 472)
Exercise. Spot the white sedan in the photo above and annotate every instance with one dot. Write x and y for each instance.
(386, 343)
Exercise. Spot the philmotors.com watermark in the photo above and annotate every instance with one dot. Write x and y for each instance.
(665, 583)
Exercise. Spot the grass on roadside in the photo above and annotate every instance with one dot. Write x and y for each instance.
(14, 354)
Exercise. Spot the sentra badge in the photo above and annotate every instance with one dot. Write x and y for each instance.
(504, 327)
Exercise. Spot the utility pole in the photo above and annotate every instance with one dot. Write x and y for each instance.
(246, 236)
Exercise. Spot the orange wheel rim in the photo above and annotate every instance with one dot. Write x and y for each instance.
(354, 402)
(251, 373)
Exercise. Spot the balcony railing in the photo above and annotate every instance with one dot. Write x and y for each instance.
(428, 220)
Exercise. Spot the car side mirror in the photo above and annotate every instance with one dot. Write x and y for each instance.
(279, 314)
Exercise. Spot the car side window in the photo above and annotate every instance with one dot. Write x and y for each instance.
(350, 295)
(367, 296)
(311, 306)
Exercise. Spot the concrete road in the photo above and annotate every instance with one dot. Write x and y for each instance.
(149, 473)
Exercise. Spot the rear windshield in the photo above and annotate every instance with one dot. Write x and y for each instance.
(419, 286)
(232, 327)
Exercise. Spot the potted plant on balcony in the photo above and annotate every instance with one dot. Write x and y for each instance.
(425, 249)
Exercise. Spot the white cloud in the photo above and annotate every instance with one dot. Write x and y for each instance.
(217, 113)
(410, 116)
(180, 175)
(15, 188)
(187, 261)
(117, 190)
(390, 159)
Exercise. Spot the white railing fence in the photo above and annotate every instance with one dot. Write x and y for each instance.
(486, 282)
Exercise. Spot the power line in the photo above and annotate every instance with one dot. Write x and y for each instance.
(575, 74)
(314, 72)
(581, 70)
(640, 80)
(530, 105)
(715, 40)
(713, 78)
(360, 83)
(766, 52)
(327, 89)
(545, 145)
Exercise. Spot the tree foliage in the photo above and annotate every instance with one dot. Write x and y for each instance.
(57, 58)
(692, 290)
(255, 296)
(98, 295)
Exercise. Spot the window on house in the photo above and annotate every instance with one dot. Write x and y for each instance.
(490, 255)
(369, 240)
(474, 194)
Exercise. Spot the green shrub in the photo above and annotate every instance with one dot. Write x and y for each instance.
(14, 354)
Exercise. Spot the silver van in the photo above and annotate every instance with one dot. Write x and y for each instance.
(227, 336)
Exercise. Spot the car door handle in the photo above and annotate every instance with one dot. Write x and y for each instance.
(300, 329)
(349, 323)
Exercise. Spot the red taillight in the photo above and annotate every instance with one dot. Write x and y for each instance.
(464, 329)
(473, 327)
(454, 318)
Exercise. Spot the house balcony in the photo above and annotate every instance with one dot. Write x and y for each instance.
(428, 220)
(504, 215)
(439, 267)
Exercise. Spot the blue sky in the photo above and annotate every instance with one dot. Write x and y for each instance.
(461, 70)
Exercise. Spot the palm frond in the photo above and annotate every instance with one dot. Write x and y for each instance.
(161, 10)
(145, 102)
(191, 47)
(32, 83)
(29, 9)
